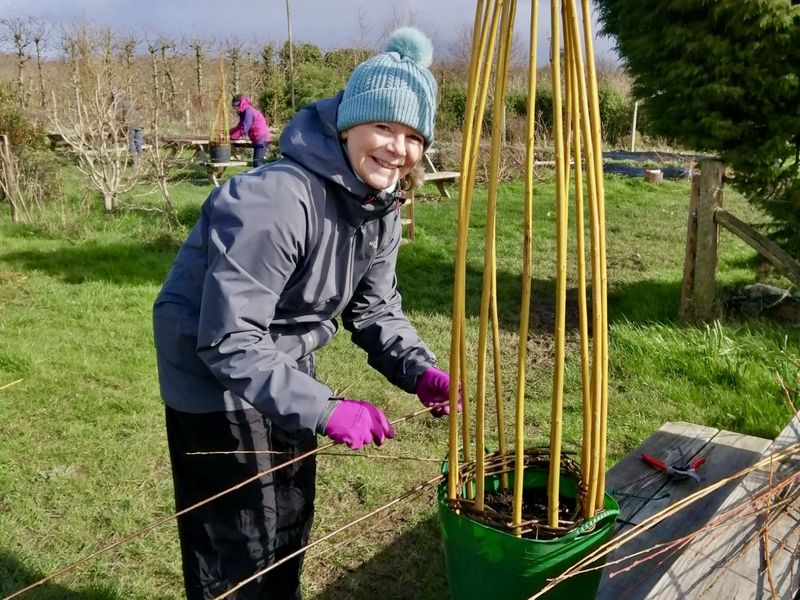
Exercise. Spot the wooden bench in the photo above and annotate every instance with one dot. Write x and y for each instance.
(725, 562)
(217, 170)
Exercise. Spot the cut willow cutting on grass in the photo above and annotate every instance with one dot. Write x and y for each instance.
(558, 510)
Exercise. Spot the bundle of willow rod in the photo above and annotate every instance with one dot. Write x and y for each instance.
(499, 464)
(219, 127)
(491, 43)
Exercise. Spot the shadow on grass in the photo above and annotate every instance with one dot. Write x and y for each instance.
(14, 577)
(426, 284)
(425, 280)
(412, 568)
(123, 263)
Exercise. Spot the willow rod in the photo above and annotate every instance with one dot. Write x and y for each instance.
(602, 336)
(489, 282)
(476, 102)
(8, 385)
(459, 287)
(166, 519)
(498, 389)
(361, 519)
(487, 50)
(596, 379)
(655, 519)
(527, 274)
(556, 412)
(574, 65)
(160, 522)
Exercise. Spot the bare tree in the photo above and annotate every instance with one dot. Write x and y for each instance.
(19, 33)
(461, 47)
(291, 52)
(39, 31)
(90, 51)
(363, 26)
(91, 124)
(128, 50)
(167, 49)
(10, 181)
(69, 45)
(91, 129)
(152, 49)
(250, 66)
(161, 165)
(200, 48)
(233, 50)
(399, 18)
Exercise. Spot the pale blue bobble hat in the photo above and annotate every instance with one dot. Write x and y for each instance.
(394, 86)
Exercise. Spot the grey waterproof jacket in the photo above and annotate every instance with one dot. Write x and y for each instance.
(277, 255)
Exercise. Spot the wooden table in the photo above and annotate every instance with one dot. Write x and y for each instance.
(217, 170)
(725, 562)
(438, 177)
(200, 147)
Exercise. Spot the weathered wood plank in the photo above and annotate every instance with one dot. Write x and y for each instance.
(729, 562)
(634, 484)
(726, 453)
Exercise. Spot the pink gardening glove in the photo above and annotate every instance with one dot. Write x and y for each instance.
(433, 387)
(358, 423)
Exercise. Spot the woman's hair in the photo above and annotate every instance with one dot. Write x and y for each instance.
(413, 180)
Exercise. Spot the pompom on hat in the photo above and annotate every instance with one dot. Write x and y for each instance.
(394, 86)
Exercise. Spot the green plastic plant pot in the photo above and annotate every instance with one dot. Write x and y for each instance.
(484, 562)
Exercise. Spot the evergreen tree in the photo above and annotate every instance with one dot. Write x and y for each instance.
(722, 76)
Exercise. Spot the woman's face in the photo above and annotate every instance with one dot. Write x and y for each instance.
(382, 153)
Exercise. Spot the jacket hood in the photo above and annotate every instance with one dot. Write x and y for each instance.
(244, 103)
(311, 139)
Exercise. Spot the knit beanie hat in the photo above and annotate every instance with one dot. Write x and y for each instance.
(394, 86)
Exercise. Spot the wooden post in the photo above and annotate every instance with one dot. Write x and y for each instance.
(709, 198)
(188, 110)
(633, 126)
(687, 288)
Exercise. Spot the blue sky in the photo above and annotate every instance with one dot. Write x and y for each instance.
(327, 23)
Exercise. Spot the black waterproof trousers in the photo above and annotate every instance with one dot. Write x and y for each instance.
(239, 534)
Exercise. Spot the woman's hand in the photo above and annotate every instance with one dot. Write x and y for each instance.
(358, 423)
(433, 389)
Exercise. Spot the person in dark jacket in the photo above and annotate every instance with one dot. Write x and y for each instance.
(130, 120)
(253, 125)
(278, 255)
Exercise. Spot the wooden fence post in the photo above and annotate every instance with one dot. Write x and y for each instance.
(703, 305)
(687, 287)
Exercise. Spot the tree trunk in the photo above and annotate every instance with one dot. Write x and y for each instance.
(42, 94)
(20, 80)
(198, 72)
(109, 201)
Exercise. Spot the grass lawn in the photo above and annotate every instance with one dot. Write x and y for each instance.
(83, 459)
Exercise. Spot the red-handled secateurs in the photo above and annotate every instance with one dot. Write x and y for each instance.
(679, 470)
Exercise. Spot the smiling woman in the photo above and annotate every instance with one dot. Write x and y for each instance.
(278, 255)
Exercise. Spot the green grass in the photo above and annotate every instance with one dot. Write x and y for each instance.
(83, 459)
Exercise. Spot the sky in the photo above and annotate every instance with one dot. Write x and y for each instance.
(326, 23)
